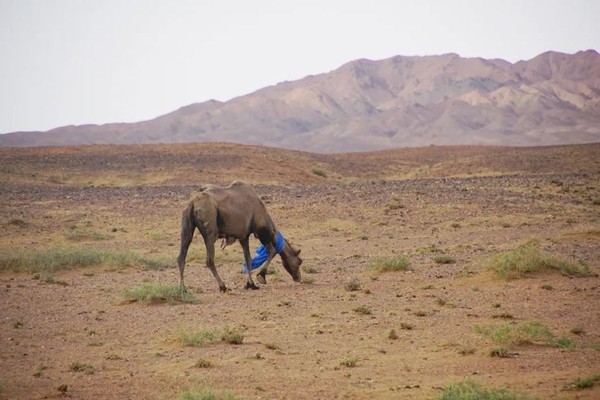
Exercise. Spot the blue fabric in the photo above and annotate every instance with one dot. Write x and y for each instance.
(262, 254)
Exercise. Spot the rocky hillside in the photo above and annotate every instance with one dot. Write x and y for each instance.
(553, 98)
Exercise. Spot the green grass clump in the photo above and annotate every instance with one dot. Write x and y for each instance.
(193, 338)
(159, 293)
(390, 264)
(527, 259)
(196, 338)
(470, 390)
(507, 334)
(565, 342)
(69, 257)
(583, 383)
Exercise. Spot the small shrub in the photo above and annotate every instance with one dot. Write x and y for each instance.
(82, 367)
(577, 330)
(18, 222)
(319, 172)
(39, 372)
(503, 315)
(203, 363)
(406, 326)
(159, 293)
(392, 335)
(470, 390)
(500, 352)
(232, 337)
(309, 269)
(390, 264)
(444, 260)
(432, 249)
(352, 285)
(394, 206)
(527, 259)
(350, 362)
(465, 351)
(364, 310)
(272, 346)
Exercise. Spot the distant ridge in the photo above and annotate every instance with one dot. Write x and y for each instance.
(365, 105)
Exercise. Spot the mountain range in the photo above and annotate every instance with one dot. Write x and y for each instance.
(366, 105)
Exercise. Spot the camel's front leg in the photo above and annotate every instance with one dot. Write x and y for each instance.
(246, 247)
(262, 274)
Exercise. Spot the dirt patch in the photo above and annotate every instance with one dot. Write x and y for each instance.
(74, 334)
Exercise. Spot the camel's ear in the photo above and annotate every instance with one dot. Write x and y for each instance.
(298, 252)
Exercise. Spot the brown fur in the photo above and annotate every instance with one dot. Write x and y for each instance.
(232, 213)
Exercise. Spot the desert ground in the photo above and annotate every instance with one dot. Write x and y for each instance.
(349, 330)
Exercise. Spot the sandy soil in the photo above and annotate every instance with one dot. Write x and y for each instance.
(299, 339)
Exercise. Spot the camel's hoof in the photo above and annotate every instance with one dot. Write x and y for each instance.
(251, 285)
(223, 288)
(261, 279)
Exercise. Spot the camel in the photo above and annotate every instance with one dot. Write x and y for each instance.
(233, 213)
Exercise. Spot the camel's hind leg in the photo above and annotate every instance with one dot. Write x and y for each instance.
(187, 234)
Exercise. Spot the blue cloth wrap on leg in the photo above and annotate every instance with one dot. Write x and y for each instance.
(262, 254)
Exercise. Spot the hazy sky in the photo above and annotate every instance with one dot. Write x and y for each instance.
(68, 62)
